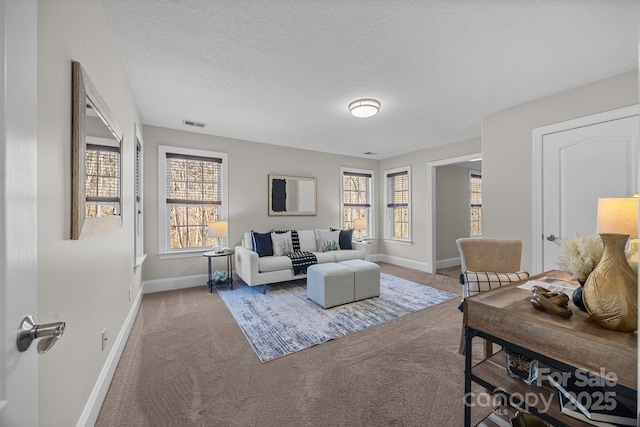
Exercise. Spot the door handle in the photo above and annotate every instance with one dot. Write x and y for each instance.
(29, 331)
(551, 237)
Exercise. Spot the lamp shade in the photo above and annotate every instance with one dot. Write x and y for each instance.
(360, 224)
(218, 229)
(618, 216)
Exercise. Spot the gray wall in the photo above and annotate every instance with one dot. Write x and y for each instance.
(250, 164)
(82, 282)
(416, 252)
(452, 210)
(507, 152)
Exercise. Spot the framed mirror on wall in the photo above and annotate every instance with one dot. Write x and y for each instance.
(291, 195)
(96, 161)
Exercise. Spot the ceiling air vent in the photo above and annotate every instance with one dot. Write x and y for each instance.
(194, 123)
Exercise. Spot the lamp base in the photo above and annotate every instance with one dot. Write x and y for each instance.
(611, 291)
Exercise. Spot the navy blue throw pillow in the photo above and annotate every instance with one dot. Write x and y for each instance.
(262, 243)
(345, 239)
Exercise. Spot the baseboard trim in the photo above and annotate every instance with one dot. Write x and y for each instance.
(402, 262)
(171, 283)
(92, 408)
(446, 263)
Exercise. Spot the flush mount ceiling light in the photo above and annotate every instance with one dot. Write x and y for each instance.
(363, 108)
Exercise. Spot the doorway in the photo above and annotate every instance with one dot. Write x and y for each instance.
(470, 161)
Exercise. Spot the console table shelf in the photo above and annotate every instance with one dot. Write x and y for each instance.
(506, 317)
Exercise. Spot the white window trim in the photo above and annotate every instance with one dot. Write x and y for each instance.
(163, 231)
(371, 226)
(387, 217)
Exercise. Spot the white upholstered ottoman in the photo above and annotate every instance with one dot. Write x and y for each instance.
(330, 284)
(366, 278)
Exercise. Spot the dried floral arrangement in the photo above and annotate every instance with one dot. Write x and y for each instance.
(580, 255)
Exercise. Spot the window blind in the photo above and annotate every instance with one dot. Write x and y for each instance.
(476, 189)
(138, 183)
(398, 189)
(355, 189)
(193, 179)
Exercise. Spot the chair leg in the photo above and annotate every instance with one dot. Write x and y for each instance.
(462, 347)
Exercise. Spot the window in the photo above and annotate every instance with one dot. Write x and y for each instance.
(398, 202)
(102, 177)
(356, 192)
(475, 197)
(194, 194)
(138, 205)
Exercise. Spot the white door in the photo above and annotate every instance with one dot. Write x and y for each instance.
(18, 209)
(579, 166)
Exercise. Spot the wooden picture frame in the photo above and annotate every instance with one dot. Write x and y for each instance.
(292, 195)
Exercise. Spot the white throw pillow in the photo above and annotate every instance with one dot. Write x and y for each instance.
(281, 243)
(328, 241)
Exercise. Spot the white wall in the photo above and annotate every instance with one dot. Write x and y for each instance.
(507, 152)
(452, 210)
(82, 282)
(416, 253)
(249, 165)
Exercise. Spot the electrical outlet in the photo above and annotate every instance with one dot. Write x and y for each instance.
(129, 293)
(104, 339)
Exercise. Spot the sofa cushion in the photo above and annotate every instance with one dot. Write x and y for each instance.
(262, 243)
(281, 243)
(347, 255)
(328, 241)
(324, 257)
(274, 263)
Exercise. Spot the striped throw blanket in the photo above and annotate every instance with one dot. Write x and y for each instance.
(301, 260)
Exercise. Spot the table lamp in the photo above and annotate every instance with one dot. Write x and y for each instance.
(219, 230)
(359, 224)
(610, 293)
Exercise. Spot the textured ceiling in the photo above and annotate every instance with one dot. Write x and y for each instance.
(283, 71)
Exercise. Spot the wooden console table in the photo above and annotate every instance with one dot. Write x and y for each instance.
(506, 317)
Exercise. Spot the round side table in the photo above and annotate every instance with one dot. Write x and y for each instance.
(214, 254)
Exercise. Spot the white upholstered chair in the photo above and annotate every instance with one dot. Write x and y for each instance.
(488, 256)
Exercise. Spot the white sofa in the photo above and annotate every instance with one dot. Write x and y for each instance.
(255, 270)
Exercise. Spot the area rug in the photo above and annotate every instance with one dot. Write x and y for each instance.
(284, 321)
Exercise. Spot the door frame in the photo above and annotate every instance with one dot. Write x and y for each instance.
(537, 138)
(431, 198)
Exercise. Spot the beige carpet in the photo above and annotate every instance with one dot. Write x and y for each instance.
(188, 364)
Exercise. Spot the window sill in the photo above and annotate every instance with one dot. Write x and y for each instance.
(183, 254)
(406, 242)
(365, 240)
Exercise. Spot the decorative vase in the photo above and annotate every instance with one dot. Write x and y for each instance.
(610, 293)
(522, 367)
(576, 297)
